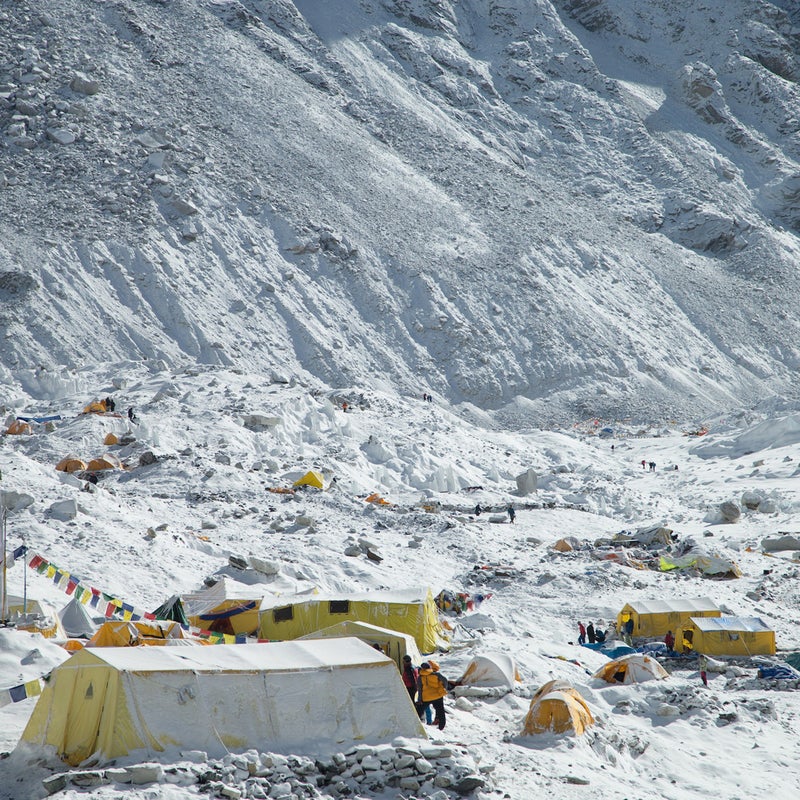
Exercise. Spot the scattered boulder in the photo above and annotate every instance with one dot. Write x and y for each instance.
(83, 84)
(64, 510)
(730, 511)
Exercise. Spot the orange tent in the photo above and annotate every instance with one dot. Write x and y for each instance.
(97, 407)
(71, 464)
(104, 462)
(18, 428)
(111, 438)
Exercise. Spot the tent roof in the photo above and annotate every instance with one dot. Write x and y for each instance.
(76, 619)
(731, 624)
(402, 596)
(223, 590)
(354, 626)
(676, 604)
(293, 656)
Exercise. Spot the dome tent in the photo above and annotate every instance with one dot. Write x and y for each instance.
(634, 668)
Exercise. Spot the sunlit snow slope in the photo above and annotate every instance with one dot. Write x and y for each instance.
(543, 208)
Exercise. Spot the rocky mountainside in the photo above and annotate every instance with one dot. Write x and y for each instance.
(545, 208)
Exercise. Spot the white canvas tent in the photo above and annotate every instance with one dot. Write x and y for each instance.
(309, 697)
(76, 621)
(490, 669)
(393, 643)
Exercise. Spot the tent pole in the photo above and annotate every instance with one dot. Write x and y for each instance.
(3, 589)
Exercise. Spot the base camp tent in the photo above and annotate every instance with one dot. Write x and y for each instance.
(636, 668)
(411, 611)
(35, 616)
(108, 461)
(286, 697)
(226, 607)
(71, 464)
(557, 707)
(118, 633)
(392, 643)
(311, 478)
(656, 617)
(728, 636)
(490, 669)
(76, 621)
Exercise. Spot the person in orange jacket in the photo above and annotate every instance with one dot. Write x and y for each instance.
(431, 690)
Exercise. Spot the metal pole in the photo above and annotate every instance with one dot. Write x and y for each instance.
(3, 589)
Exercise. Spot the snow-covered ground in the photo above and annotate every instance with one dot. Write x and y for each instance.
(205, 498)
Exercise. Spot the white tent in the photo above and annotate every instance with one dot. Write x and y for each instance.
(490, 669)
(76, 621)
(309, 697)
(633, 668)
(393, 643)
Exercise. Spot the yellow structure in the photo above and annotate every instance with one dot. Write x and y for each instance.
(71, 464)
(557, 710)
(111, 439)
(391, 643)
(286, 697)
(117, 633)
(19, 428)
(107, 461)
(311, 478)
(653, 618)
(95, 407)
(226, 607)
(35, 616)
(410, 611)
(729, 636)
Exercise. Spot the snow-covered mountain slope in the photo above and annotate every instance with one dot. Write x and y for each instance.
(545, 208)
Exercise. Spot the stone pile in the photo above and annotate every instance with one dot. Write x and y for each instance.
(411, 768)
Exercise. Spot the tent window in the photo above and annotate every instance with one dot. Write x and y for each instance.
(734, 636)
(89, 692)
(339, 607)
(283, 614)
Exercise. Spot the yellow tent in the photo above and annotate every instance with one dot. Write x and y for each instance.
(410, 611)
(71, 464)
(311, 478)
(111, 439)
(96, 407)
(633, 668)
(35, 616)
(116, 633)
(226, 607)
(392, 643)
(729, 636)
(558, 712)
(18, 427)
(104, 462)
(656, 617)
(286, 697)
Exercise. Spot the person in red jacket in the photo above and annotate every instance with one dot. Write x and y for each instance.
(431, 689)
(410, 676)
(669, 641)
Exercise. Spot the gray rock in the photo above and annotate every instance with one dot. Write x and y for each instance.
(409, 783)
(64, 510)
(83, 84)
(54, 783)
(146, 773)
(147, 458)
(61, 135)
(730, 511)
(468, 784)
(88, 780)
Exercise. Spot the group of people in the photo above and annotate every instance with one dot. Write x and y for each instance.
(427, 398)
(594, 635)
(427, 688)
